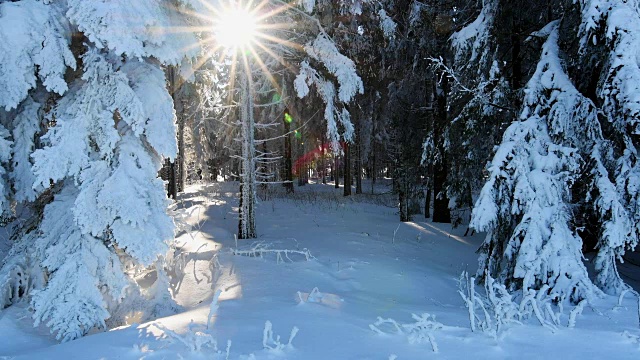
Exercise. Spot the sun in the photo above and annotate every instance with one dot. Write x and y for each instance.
(235, 28)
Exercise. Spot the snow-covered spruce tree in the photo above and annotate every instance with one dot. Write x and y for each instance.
(34, 56)
(492, 57)
(34, 52)
(612, 28)
(525, 205)
(111, 127)
(479, 102)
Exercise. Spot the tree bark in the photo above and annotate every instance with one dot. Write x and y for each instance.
(336, 167)
(403, 196)
(323, 165)
(347, 169)
(358, 163)
(427, 203)
(181, 154)
(288, 172)
(172, 184)
(247, 221)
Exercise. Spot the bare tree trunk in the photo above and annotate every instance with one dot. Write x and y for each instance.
(374, 168)
(301, 166)
(323, 165)
(427, 201)
(331, 170)
(347, 169)
(403, 196)
(172, 186)
(247, 222)
(336, 166)
(358, 162)
(181, 154)
(288, 172)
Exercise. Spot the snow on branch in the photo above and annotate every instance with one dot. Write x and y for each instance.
(26, 126)
(146, 23)
(34, 45)
(616, 25)
(307, 5)
(332, 113)
(473, 38)
(5, 156)
(322, 49)
(83, 273)
(387, 25)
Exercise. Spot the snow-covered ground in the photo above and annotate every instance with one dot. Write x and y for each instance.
(364, 264)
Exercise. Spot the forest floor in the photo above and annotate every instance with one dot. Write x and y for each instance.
(361, 264)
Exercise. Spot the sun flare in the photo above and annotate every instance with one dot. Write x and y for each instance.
(235, 28)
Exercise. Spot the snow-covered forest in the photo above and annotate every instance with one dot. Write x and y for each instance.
(319, 179)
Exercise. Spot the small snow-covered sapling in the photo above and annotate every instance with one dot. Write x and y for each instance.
(268, 342)
(213, 308)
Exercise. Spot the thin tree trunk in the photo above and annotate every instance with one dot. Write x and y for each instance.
(173, 189)
(323, 165)
(427, 203)
(336, 166)
(347, 169)
(358, 163)
(403, 196)
(288, 172)
(332, 176)
(181, 154)
(172, 186)
(374, 168)
(247, 222)
(266, 169)
(300, 166)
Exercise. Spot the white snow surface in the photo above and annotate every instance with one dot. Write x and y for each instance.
(365, 265)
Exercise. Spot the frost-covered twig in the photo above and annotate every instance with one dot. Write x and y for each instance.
(477, 91)
(393, 241)
(468, 297)
(193, 340)
(417, 332)
(497, 308)
(260, 249)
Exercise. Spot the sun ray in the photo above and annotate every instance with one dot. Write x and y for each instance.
(280, 41)
(266, 71)
(207, 4)
(259, 7)
(278, 58)
(201, 61)
(232, 77)
(272, 13)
